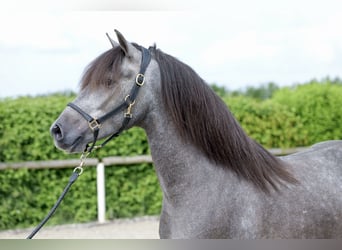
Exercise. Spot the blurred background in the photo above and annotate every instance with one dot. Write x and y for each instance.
(276, 64)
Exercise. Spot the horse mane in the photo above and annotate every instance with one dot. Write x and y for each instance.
(200, 117)
(204, 120)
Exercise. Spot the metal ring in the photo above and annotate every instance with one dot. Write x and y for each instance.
(79, 170)
(131, 103)
(94, 124)
(137, 80)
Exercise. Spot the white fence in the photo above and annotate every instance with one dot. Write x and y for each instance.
(100, 167)
(100, 172)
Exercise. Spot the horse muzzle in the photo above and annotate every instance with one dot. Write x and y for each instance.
(66, 142)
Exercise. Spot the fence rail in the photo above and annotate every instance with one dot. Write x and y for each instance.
(116, 160)
(100, 166)
(75, 162)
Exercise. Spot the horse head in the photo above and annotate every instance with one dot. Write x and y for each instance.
(113, 96)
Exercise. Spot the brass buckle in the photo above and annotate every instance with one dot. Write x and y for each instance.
(128, 113)
(140, 76)
(129, 97)
(94, 124)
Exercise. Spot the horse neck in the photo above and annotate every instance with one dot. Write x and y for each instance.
(180, 166)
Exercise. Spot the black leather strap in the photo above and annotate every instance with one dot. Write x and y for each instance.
(117, 133)
(81, 112)
(118, 109)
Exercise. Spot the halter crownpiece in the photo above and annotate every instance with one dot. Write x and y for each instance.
(129, 101)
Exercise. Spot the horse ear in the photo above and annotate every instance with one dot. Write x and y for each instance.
(112, 42)
(127, 47)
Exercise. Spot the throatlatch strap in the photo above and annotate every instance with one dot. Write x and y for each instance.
(116, 134)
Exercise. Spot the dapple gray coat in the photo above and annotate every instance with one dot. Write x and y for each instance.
(216, 181)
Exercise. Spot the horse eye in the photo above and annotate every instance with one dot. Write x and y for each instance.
(109, 83)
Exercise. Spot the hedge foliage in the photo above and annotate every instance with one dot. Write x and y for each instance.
(319, 106)
(296, 116)
(271, 124)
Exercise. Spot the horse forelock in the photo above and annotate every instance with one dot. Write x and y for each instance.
(96, 73)
(204, 120)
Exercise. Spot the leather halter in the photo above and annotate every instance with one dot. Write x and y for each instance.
(129, 101)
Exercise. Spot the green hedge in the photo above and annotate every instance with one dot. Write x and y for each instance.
(319, 106)
(293, 116)
(297, 116)
(271, 124)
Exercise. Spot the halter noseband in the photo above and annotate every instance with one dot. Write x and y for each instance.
(129, 101)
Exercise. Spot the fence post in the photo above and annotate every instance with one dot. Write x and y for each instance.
(101, 195)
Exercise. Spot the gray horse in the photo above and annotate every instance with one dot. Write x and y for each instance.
(216, 181)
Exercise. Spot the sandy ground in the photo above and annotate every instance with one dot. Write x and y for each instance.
(137, 228)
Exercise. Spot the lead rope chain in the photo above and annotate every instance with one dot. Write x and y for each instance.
(75, 174)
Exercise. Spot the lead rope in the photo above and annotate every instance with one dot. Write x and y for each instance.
(94, 125)
(75, 174)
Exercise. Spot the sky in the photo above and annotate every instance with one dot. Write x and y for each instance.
(45, 46)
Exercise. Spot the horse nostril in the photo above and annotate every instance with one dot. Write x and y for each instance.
(56, 131)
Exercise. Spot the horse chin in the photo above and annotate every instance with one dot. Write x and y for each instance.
(77, 146)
